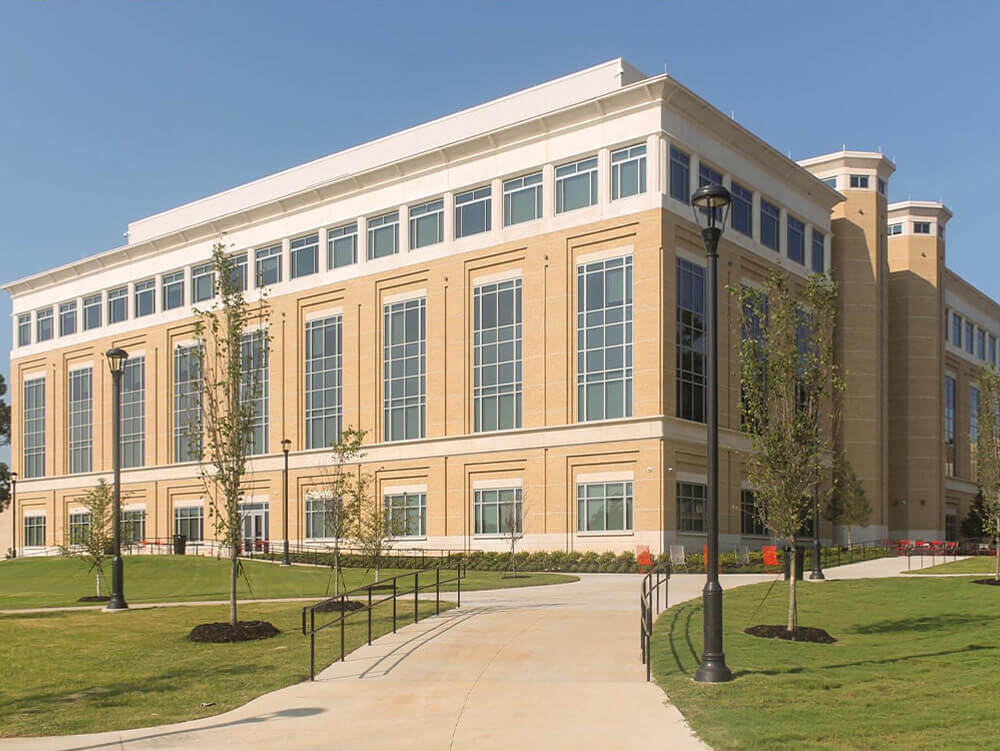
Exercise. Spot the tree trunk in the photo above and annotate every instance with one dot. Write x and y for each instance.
(233, 575)
(98, 582)
(848, 535)
(791, 591)
(376, 568)
(336, 571)
(996, 546)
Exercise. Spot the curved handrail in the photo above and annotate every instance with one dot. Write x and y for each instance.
(649, 604)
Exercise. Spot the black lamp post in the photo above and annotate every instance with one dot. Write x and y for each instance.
(286, 445)
(116, 363)
(13, 514)
(817, 572)
(711, 204)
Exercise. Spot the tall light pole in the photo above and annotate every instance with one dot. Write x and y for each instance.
(817, 572)
(286, 445)
(116, 363)
(13, 514)
(711, 203)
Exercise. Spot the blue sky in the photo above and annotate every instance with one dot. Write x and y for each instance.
(113, 111)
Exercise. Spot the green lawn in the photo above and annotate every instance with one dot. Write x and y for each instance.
(88, 671)
(981, 564)
(914, 667)
(53, 582)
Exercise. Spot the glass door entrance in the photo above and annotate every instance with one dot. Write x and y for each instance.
(254, 517)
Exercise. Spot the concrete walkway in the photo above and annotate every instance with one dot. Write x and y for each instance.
(549, 667)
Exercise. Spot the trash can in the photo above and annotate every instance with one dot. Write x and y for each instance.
(180, 543)
(800, 558)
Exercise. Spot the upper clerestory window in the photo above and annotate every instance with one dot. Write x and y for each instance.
(472, 211)
(522, 199)
(859, 181)
(628, 172)
(576, 185)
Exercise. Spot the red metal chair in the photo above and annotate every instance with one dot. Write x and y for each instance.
(643, 558)
(770, 553)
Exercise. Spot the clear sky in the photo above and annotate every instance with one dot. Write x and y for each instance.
(116, 110)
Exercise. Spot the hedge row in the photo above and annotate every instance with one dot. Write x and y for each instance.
(574, 561)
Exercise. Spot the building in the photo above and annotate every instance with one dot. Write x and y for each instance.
(510, 301)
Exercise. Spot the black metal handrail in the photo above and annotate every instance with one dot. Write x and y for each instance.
(649, 605)
(366, 590)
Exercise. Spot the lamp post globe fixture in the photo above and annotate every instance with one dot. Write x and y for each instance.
(286, 445)
(13, 514)
(116, 364)
(711, 208)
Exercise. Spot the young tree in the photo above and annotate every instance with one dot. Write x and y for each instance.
(973, 526)
(4, 440)
(372, 524)
(988, 453)
(96, 541)
(512, 523)
(847, 503)
(340, 484)
(231, 364)
(789, 387)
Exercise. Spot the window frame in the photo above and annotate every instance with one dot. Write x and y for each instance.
(24, 330)
(377, 226)
(303, 247)
(31, 529)
(404, 503)
(187, 361)
(200, 273)
(566, 173)
(770, 212)
(33, 434)
(264, 260)
(45, 324)
(621, 159)
(498, 499)
(689, 382)
(680, 163)
(584, 499)
(860, 182)
(132, 432)
(326, 402)
(143, 292)
(428, 212)
(471, 203)
(183, 521)
(517, 187)
(80, 420)
(795, 226)
(334, 236)
(488, 342)
(168, 284)
(689, 521)
(743, 207)
(409, 354)
(71, 308)
(818, 259)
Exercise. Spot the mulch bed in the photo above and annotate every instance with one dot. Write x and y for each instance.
(94, 598)
(994, 582)
(801, 633)
(221, 633)
(338, 606)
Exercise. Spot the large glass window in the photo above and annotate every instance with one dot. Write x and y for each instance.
(604, 339)
(970, 337)
(770, 219)
(267, 265)
(321, 515)
(92, 312)
(981, 344)
(117, 304)
(949, 426)
(818, 252)
(81, 419)
(79, 527)
(895, 229)
(145, 298)
(44, 325)
(690, 507)
(751, 523)
(173, 290)
(628, 171)
(67, 318)
(254, 388)
(190, 522)
(690, 341)
(407, 514)
(680, 175)
(973, 417)
(522, 199)
(796, 240)
(342, 246)
(34, 531)
(426, 224)
(576, 185)
(238, 270)
(742, 209)
(24, 330)
(859, 181)
(383, 235)
(921, 228)
(304, 255)
(473, 210)
(497, 356)
(202, 282)
(187, 404)
(33, 419)
(405, 369)
(993, 350)
(956, 330)
(133, 523)
(324, 404)
(604, 506)
(133, 412)
(498, 511)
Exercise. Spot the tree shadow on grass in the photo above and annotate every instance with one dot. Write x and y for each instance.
(859, 663)
(685, 613)
(924, 623)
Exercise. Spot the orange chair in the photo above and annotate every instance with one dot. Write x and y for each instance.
(770, 553)
(643, 558)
